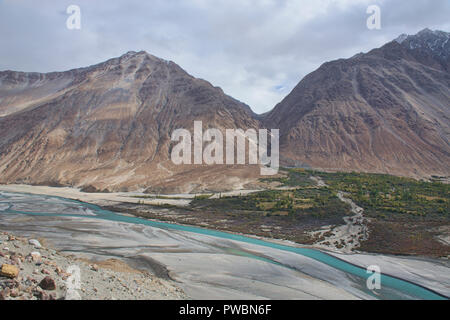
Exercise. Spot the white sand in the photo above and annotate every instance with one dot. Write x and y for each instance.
(96, 198)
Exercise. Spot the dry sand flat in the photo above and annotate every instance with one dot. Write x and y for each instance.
(179, 199)
(112, 198)
(96, 198)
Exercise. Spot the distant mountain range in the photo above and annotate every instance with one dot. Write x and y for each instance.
(108, 126)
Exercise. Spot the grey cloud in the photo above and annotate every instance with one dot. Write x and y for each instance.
(251, 48)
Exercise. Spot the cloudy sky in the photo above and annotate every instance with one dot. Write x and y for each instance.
(256, 50)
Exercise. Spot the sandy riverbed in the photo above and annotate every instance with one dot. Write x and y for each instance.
(182, 199)
(231, 271)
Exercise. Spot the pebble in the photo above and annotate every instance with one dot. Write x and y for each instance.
(9, 271)
(35, 256)
(35, 243)
(58, 271)
(48, 283)
(16, 260)
(15, 293)
(94, 267)
(4, 294)
(44, 296)
(45, 271)
(28, 284)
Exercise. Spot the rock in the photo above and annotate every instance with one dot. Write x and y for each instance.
(4, 294)
(47, 283)
(58, 271)
(35, 243)
(16, 260)
(41, 295)
(29, 281)
(35, 257)
(14, 293)
(45, 271)
(10, 284)
(45, 296)
(94, 267)
(9, 271)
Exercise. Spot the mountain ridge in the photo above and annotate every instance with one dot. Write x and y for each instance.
(107, 126)
(385, 111)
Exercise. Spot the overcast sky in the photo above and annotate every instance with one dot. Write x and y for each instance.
(256, 50)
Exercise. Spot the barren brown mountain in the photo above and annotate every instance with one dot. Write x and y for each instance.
(385, 111)
(108, 126)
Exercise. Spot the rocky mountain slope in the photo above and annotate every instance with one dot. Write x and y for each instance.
(385, 111)
(108, 126)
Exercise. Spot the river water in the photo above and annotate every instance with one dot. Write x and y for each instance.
(206, 263)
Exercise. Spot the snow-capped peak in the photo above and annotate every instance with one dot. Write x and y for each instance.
(401, 38)
(429, 40)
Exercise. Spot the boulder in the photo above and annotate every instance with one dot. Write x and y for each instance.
(48, 283)
(9, 271)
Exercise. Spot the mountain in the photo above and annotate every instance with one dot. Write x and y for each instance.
(108, 126)
(385, 111)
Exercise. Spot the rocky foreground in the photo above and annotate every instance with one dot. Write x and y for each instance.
(30, 271)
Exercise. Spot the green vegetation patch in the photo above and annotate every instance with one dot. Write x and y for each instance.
(297, 204)
(394, 198)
